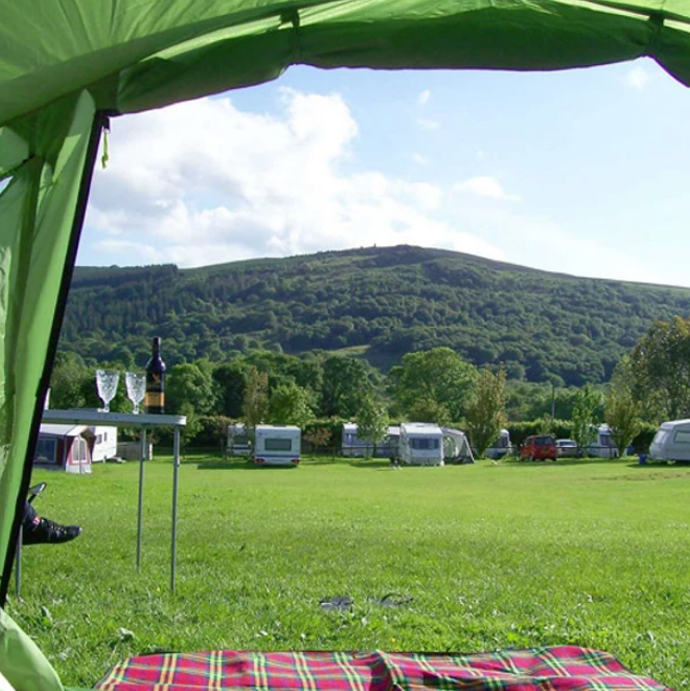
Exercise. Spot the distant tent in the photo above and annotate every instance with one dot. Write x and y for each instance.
(456, 446)
(65, 447)
(67, 66)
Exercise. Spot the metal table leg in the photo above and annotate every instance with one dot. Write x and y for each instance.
(176, 469)
(140, 512)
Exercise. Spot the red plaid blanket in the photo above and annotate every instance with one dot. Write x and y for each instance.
(561, 668)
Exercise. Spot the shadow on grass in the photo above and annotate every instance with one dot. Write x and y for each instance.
(563, 462)
(219, 464)
(367, 463)
(660, 465)
(236, 464)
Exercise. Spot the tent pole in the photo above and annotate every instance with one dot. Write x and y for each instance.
(100, 121)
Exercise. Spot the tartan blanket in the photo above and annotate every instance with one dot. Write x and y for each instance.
(559, 668)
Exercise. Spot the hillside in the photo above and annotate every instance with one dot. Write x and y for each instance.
(380, 302)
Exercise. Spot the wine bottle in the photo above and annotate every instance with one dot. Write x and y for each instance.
(154, 401)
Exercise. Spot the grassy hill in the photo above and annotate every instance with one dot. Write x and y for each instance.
(377, 303)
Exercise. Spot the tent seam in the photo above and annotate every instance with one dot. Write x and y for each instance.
(656, 24)
(293, 17)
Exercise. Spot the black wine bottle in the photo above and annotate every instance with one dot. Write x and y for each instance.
(154, 401)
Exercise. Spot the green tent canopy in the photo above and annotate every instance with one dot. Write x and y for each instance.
(66, 66)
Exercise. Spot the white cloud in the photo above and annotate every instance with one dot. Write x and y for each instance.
(638, 78)
(427, 124)
(423, 97)
(485, 186)
(420, 160)
(237, 185)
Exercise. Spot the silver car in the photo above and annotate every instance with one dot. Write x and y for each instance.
(567, 448)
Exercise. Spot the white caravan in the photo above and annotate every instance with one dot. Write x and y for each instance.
(277, 445)
(239, 443)
(104, 443)
(421, 443)
(603, 445)
(671, 442)
(353, 446)
(501, 447)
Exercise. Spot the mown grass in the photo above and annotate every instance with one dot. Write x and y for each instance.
(483, 557)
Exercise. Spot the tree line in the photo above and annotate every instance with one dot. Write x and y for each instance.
(650, 383)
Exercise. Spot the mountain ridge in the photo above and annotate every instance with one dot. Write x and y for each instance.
(380, 301)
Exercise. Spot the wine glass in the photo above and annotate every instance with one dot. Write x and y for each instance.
(136, 388)
(106, 383)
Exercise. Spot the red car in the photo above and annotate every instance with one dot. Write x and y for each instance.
(539, 447)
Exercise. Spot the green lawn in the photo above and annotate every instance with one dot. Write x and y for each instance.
(487, 556)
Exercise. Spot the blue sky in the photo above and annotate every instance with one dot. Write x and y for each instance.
(584, 171)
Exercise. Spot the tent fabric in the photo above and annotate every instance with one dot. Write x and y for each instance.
(65, 65)
(36, 215)
(138, 54)
(22, 663)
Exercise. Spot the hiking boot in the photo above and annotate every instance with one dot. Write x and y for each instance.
(49, 532)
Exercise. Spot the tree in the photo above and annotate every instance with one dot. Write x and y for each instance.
(435, 382)
(69, 380)
(231, 379)
(485, 412)
(587, 400)
(290, 404)
(660, 368)
(73, 385)
(622, 410)
(192, 428)
(190, 383)
(372, 421)
(345, 383)
(255, 406)
(428, 410)
(318, 437)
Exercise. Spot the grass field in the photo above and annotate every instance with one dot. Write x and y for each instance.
(479, 557)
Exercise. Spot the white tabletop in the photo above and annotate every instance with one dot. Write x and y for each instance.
(90, 416)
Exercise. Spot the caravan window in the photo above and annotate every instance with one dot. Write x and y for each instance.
(660, 437)
(278, 445)
(45, 450)
(424, 443)
(682, 437)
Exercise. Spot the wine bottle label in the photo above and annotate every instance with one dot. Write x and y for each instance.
(154, 399)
